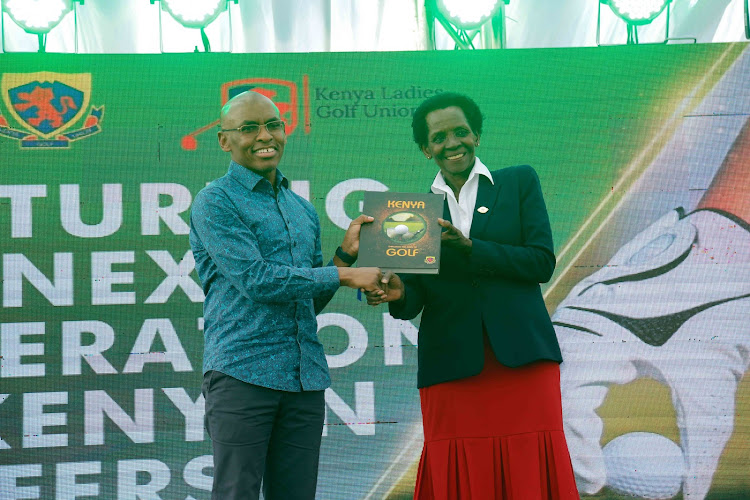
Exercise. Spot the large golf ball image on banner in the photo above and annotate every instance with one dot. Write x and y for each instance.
(657, 474)
(404, 227)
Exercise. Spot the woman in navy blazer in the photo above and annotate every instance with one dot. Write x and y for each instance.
(488, 371)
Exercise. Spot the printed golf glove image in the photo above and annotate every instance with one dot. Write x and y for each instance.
(673, 304)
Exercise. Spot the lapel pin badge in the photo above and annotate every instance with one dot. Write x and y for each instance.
(483, 210)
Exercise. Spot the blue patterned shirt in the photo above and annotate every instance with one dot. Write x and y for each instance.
(258, 256)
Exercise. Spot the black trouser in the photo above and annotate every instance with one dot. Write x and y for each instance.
(262, 433)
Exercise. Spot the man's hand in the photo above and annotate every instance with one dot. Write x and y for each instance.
(392, 290)
(367, 279)
(350, 244)
(453, 237)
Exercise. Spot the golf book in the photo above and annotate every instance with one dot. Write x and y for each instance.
(405, 235)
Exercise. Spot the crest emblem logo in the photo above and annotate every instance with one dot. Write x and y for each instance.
(283, 93)
(46, 105)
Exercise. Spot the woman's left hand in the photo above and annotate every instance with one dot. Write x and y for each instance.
(453, 237)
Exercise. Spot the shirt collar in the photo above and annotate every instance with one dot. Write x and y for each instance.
(250, 179)
(479, 168)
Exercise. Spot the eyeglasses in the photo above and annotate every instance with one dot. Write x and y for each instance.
(251, 129)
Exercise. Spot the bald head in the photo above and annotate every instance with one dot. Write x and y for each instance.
(245, 133)
(243, 101)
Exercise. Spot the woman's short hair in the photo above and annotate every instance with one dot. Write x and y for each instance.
(442, 101)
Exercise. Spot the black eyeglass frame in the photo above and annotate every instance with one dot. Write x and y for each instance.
(258, 126)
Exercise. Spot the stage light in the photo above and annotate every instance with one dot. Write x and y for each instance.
(637, 12)
(194, 13)
(463, 20)
(37, 16)
(468, 14)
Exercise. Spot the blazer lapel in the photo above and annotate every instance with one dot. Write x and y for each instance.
(486, 196)
(447, 211)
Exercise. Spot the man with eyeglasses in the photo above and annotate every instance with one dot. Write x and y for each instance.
(258, 254)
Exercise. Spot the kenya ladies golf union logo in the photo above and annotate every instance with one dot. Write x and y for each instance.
(283, 93)
(45, 105)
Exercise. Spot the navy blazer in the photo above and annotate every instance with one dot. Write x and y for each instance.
(495, 287)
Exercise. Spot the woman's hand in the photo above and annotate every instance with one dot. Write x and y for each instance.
(392, 289)
(453, 237)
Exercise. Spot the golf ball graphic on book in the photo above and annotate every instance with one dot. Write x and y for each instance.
(401, 229)
(644, 465)
(404, 227)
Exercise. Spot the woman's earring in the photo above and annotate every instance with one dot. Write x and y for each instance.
(429, 157)
(477, 143)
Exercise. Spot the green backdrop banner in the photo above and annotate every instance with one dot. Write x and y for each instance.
(101, 318)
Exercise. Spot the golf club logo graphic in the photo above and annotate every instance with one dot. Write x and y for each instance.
(45, 105)
(283, 93)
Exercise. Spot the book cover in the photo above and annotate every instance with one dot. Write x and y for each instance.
(405, 236)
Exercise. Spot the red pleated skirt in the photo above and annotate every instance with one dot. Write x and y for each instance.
(497, 435)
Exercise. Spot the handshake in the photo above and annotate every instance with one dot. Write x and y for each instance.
(378, 287)
(369, 280)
